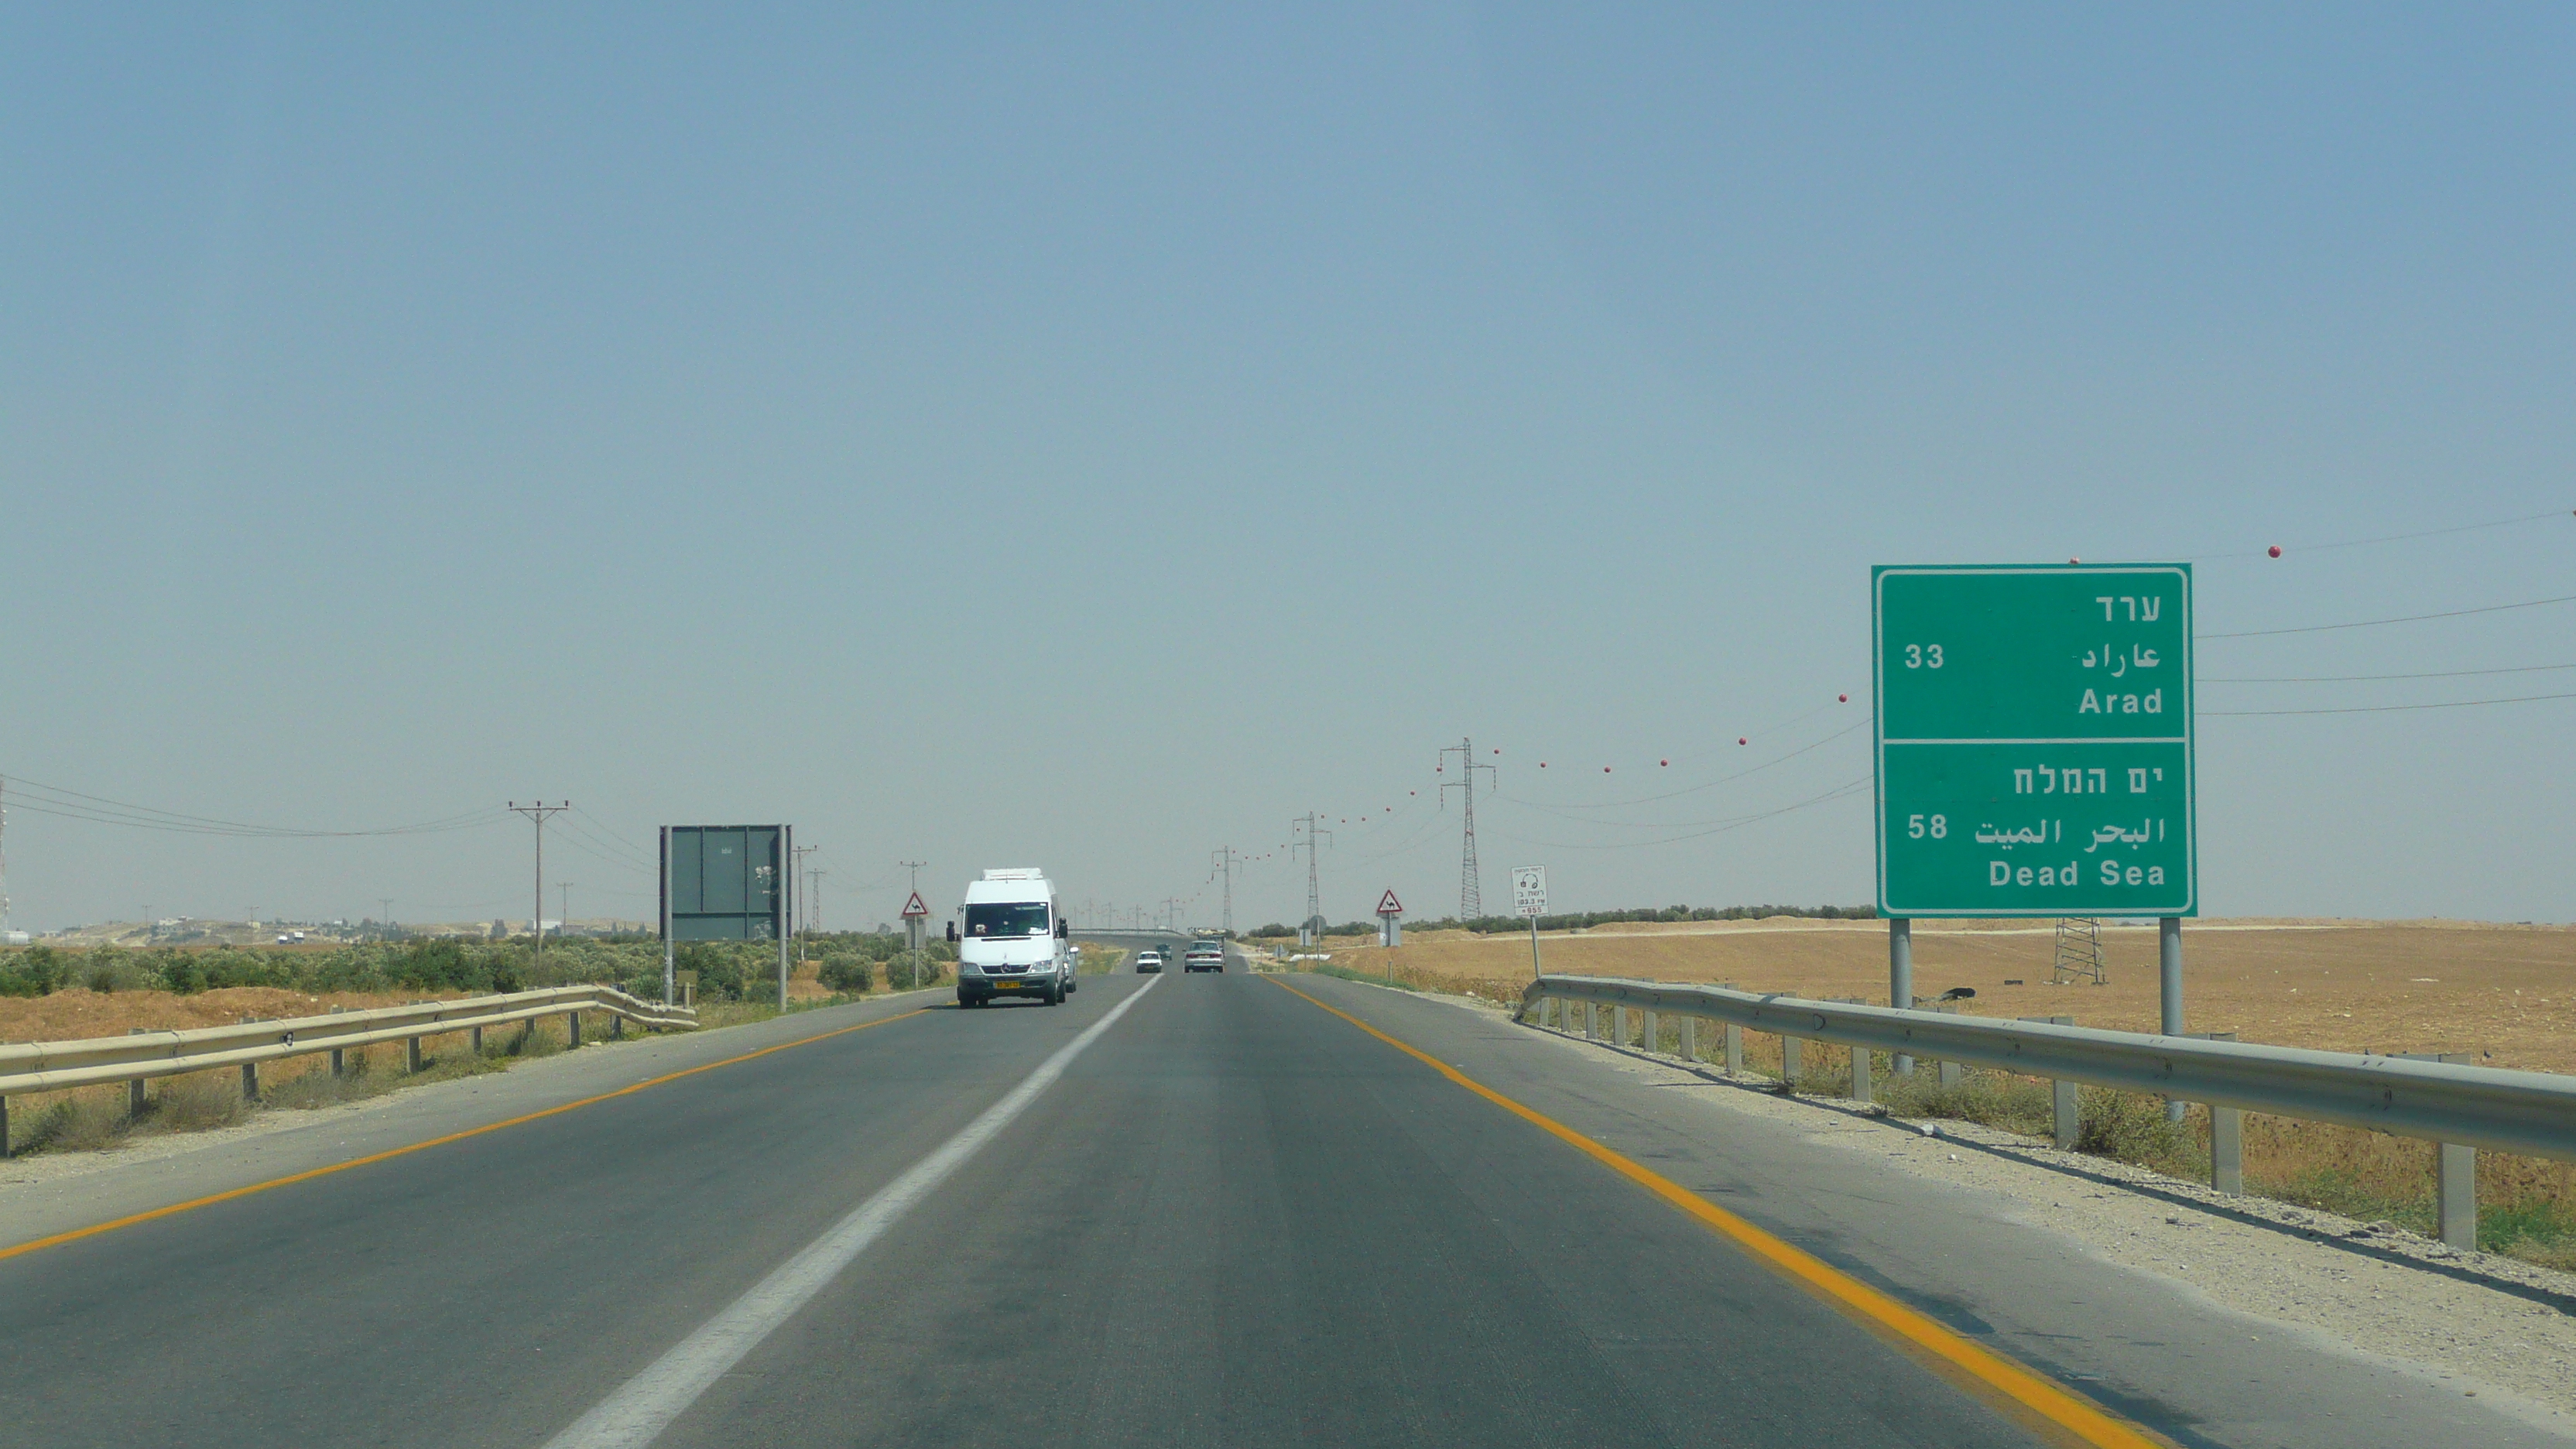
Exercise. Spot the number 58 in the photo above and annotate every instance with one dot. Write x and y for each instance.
(1938, 829)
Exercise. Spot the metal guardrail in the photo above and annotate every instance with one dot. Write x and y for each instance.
(52, 1066)
(2460, 1106)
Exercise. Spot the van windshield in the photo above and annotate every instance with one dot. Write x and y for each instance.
(1006, 919)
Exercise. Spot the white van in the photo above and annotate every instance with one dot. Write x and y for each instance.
(1014, 941)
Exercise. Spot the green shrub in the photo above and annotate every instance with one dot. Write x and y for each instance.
(851, 973)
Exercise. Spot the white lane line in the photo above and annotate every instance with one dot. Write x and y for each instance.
(637, 1413)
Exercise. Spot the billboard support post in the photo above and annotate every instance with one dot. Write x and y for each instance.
(786, 910)
(1900, 978)
(670, 956)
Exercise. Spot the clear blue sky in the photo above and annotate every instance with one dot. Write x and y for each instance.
(1013, 436)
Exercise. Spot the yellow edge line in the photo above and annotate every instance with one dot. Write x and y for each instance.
(2071, 1413)
(174, 1209)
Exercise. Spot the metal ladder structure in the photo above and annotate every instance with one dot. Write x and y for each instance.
(2079, 952)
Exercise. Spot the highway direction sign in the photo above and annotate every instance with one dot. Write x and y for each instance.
(1529, 890)
(2034, 741)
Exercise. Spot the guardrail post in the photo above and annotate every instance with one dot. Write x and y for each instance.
(1618, 1026)
(616, 1028)
(1734, 1050)
(1592, 1021)
(572, 1025)
(1690, 1038)
(2226, 1135)
(2227, 1150)
(1949, 1072)
(2456, 1196)
(2455, 1176)
(1860, 1069)
(6, 1149)
(1652, 1036)
(1790, 1060)
(134, 1089)
(2065, 1109)
(411, 1054)
(477, 1041)
(250, 1081)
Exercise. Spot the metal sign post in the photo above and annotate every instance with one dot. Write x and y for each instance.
(1529, 898)
(916, 924)
(2035, 748)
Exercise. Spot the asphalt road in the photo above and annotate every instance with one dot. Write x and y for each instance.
(1233, 1218)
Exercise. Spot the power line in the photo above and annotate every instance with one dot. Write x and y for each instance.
(1695, 789)
(2397, 537)
(72, 804)
(2401, 619)
(2392, 708)
(1848, 788)
(2365, 678)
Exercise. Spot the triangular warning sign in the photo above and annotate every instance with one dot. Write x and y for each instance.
(914, 907)
(1388, 905)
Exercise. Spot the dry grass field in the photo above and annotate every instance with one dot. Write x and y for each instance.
(2504, 993)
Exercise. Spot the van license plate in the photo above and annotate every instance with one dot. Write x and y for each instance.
(1007, 985)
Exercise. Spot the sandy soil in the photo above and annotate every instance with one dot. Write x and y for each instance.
(2505, 993)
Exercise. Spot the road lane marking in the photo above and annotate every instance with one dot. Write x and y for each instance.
(192, 1204)
(637, 1413)
(1993, 1378)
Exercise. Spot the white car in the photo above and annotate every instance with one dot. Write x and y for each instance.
(1149, 962)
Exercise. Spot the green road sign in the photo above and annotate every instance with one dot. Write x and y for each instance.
(2034, 740)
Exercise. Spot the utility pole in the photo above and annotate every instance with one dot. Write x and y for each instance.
(537, 923)
(4, 860)
(1470, 897)
(800, 852)
(387, 918)
(1224, 857)
(1172, 914)
(563, 893)
(1308, 929)
(814, 899)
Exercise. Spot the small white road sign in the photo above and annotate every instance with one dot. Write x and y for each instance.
(1388, 905)
(1529, 890)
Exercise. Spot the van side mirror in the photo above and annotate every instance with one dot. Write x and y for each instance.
(952, 933)
(1064, 930)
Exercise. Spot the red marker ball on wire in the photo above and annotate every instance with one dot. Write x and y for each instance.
(1739, 739)
(2274, 550)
